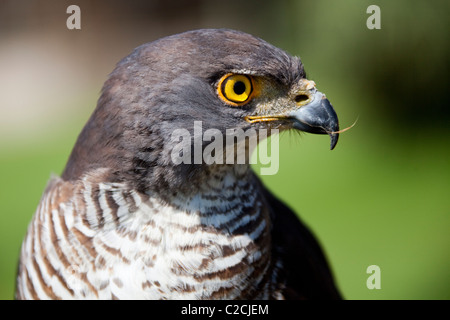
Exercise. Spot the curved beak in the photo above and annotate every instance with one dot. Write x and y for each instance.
(318, 116)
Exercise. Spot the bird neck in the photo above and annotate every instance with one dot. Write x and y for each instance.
(214, 182)
(183, 182)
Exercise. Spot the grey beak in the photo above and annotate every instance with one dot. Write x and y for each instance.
(318, 117)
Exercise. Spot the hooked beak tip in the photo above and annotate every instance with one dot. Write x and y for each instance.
(334, 137)
(318, 117)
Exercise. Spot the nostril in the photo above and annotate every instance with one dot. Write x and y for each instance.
(301, 98)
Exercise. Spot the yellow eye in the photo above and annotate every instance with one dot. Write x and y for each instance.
(235, 89)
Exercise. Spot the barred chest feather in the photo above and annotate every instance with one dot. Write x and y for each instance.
(108, 241)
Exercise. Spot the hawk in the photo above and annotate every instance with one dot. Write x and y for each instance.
(124, 221)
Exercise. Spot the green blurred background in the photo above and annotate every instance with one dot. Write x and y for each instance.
(381, 197)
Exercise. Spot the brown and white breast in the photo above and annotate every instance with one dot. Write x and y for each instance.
(107, 241)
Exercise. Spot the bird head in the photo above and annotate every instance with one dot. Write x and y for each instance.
(223, 79)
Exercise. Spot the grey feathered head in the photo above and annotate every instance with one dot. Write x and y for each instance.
(224, 79)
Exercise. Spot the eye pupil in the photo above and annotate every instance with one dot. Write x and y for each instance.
(239, 87)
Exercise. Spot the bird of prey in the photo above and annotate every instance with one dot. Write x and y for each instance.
(125, 221)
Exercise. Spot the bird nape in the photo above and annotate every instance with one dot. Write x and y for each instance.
(144, 210)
